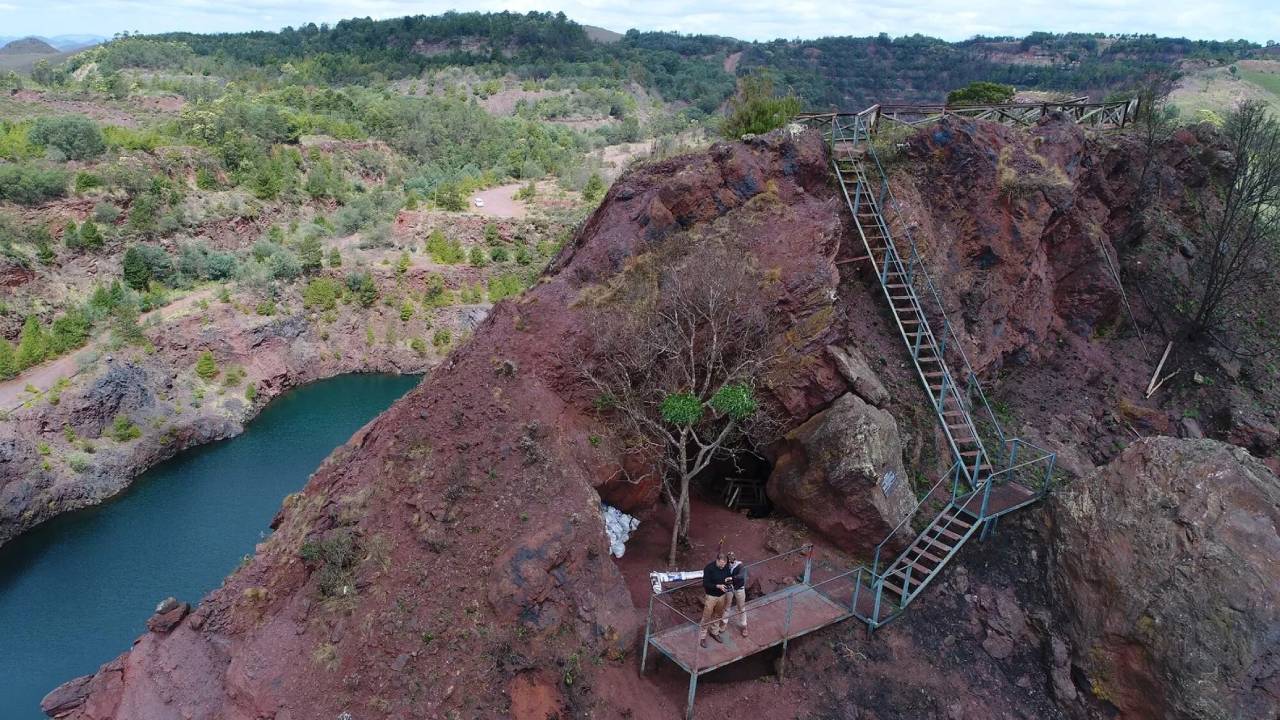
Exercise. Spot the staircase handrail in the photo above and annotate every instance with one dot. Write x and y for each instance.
(951, 474)
(917, 262)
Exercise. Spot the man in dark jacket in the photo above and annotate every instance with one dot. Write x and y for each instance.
(719, 593)
(738, 579)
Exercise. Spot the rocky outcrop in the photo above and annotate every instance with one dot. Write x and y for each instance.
(841, 473)
(454, 549)
(1166, 561)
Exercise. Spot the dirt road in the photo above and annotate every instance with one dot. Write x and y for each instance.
(43, 376)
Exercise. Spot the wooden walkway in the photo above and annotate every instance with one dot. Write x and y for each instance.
(766, 621)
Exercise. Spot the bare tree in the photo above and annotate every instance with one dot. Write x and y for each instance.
(679, 347)
(1242, 230)
(1154, 126)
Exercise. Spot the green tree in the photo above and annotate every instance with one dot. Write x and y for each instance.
(137, 273)
(491, 234)
(8, 361)
(335, 258)
(406, 311)
(361, 283)
(756, 108)
(71, 236)
(33, 345)
(310, 253)
(478, 257)
(594, 189)
(75, 136)
(403, 264)
(206, 366)
(90, 236)
(321, 294)
(981, 93)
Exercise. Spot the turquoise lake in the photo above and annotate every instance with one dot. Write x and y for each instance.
(75, 592)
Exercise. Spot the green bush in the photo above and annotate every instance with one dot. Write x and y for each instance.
(335, 258)
(321, 294)
(362, 285)
(406, 311)
(594, 189)
(442, 338)
(250, 392)
(310, 253)
(266, 308)
(756, 109)
(445, 252)
(123, 430)
(499, 255)
(478, 257)
(33, 344)
(29, 184)
(86, 181)
(8, 360)
(206, 366)
(418, 345)
(505, 285)
(75, 136)
(981, 93)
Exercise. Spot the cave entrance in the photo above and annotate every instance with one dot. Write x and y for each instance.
(737, 483)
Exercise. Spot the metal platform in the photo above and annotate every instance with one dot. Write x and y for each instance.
(772, 619)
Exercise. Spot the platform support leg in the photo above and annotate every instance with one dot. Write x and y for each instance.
(693, 690)
(782, 662)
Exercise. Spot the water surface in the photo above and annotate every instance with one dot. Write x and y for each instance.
(76, 591)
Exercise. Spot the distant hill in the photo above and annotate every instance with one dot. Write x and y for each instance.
(28, 46)
(73, 42)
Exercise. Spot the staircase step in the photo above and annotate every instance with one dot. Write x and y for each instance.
(901, 593)
(943, 531)
(955, 518)
(937, 543)
(921, 552)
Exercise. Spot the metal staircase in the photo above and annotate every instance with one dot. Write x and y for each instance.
(987, 479)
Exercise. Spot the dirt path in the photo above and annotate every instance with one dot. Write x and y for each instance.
(499, 202)
(43, 376)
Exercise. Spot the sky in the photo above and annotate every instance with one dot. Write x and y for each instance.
(1257, 20)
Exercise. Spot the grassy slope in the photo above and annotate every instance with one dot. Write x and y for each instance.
(1217, 91)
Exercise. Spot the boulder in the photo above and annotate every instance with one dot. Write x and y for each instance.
(841, 473)
(167, 615)
(864, 383)
(1166, 563)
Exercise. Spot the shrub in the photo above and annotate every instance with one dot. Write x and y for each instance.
(250, 392)
(90, 236)
(478, 257)
(76, 136)
(447, 252)
(285, 265)
(333, 558)
(499, 255)
(28, 184)
(594, 189)
(505, 285)
(442, 338)
(756, 109)
(434, 294)
(335, 258)
(406, 311)
(491, 234)
(266, 308)
(106, 213)
(144, 263)
(86, 181)
(310, 254)
(366, 292)
(206, 366)
(321, 294)
(403, 264)
(123, 430)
